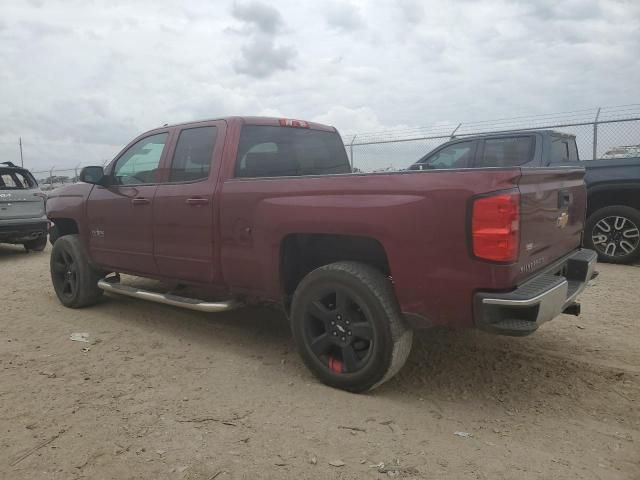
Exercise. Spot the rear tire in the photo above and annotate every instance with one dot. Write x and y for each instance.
(74, 280)
(348, 326)
(614, 233)
(36, 245)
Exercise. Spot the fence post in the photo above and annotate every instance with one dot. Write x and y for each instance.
(51, 177)
(351, 151)
(595, 135)
(454, 131)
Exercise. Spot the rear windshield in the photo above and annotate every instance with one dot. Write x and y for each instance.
(506, 152)
(15, 180)
(266, 151)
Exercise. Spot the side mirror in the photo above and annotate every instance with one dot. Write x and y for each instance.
(93, 175)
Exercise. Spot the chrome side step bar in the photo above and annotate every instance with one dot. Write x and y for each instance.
(114, 286)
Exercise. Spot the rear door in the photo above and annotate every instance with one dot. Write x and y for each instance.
(19, 195)
(553, 206)
(184, 210)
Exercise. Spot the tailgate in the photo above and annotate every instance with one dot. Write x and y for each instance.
(20, 204)
(553, 204)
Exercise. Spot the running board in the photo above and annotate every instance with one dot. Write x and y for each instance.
(112, 286)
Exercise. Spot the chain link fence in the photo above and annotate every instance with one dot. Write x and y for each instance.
(608, 132)
(611, 132)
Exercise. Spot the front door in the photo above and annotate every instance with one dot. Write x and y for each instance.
(184, 210)
(120, 213)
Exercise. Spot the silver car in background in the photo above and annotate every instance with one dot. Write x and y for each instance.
(22, 209)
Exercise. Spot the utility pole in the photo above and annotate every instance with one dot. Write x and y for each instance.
(20, 143)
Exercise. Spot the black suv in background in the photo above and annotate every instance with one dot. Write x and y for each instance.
(613, 184)
(22, 209)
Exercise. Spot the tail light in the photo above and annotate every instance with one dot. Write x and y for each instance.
(495, 225)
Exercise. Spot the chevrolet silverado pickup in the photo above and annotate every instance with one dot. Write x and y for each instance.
(613, 184)
(251, 210)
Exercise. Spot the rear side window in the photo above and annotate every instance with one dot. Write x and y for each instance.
(266, 151)
(563, 150)
(15, 180)
(192, 158)
(506, 152)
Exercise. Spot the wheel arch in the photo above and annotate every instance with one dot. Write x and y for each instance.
(605, 195)
(64, 226)
(301, 253)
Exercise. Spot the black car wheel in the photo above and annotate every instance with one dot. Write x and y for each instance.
(74, 280)
(614, 233)
(348, 327)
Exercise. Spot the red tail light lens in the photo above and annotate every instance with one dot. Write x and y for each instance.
(495, 226)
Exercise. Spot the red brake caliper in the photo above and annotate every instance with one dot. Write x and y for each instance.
(335, 365)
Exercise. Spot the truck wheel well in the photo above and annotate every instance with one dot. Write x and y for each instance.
(604, 198)
(65, 226)
(302, 253)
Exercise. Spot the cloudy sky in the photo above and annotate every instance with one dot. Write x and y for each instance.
(80, 78)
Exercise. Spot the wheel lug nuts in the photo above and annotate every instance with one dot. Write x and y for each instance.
(349, 333)
(335, 334)
(339, 317)
(333, 322)
(347, 322)
(343, 339)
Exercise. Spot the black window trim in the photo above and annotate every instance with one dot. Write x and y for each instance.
(532, 149)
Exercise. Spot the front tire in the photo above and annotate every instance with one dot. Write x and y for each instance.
(74, 280)
(348, 327)
(614, 233)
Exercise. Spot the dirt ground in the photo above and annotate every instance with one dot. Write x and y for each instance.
(165, 393)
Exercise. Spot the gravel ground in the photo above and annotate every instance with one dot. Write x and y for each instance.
(164, 393)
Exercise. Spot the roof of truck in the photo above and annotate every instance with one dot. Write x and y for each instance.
(254, 120)
(507, 133)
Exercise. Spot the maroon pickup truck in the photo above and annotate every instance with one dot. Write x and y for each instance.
(253, 210)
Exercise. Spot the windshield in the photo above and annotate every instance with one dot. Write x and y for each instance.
(12, 179)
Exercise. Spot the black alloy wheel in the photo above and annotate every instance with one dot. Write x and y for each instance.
(614, 233)
(65, 273)
(338, 332)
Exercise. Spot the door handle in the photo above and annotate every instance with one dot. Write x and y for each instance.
(197, 201)
(140, 201)
(564, 198)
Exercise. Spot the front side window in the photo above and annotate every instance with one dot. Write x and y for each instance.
(506, 152)
(457, 155)
(139, 164)
(266, 151)
(192, 158)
